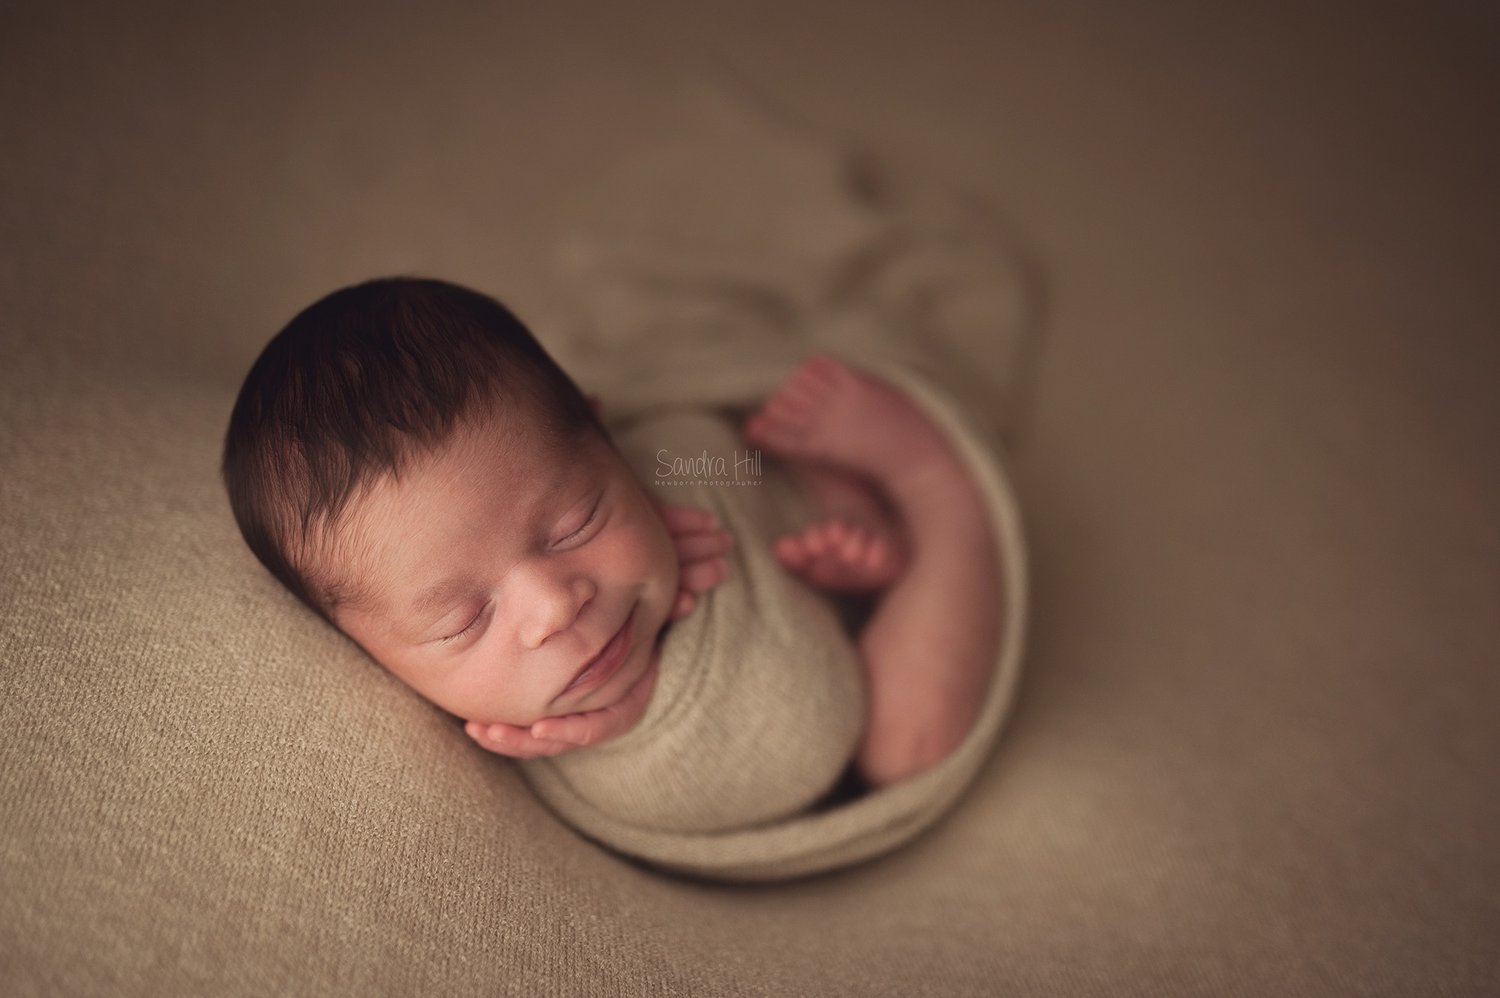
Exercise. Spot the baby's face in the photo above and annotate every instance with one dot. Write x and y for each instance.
(503, 566)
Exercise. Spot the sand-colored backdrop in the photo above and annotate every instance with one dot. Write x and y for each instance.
(1254, 747)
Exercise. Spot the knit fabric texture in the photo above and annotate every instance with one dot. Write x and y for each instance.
(759, 703)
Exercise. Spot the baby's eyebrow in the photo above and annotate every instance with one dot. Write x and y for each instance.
(437, 595)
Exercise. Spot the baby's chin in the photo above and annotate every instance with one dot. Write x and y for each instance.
(637, 684)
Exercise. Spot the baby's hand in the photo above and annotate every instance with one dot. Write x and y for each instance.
(555, 735)
(701, 545)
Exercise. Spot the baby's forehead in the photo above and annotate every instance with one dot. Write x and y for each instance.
(482, 463)
(501, 452)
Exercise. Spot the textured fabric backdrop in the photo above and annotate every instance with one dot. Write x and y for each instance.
(1254, 749)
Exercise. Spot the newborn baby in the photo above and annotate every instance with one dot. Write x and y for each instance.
(407, 459)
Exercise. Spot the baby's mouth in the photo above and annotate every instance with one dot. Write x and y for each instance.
(598, 670)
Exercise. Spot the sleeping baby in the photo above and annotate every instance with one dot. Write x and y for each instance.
(407, 460)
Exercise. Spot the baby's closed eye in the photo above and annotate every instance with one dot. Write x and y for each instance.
(471, 625)
(578, 522)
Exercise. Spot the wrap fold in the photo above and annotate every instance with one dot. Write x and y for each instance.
(700, 271)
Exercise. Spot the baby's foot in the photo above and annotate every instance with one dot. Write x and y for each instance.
(827, 411)
(842, 557)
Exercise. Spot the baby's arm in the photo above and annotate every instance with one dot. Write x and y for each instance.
(701, 546)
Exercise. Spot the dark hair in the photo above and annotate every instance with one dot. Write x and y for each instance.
(356, 385)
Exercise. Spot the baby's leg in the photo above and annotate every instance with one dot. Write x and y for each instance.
(929, 646)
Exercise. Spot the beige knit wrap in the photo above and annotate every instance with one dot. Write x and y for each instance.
(759, 702)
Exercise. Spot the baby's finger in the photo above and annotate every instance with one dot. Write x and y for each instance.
(493, 743)
(684, 519)
(682, 606)
(700, 546)
(588, 728)
(510, 740)
(701, 576)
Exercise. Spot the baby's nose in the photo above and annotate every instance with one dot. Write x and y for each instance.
(555, 605)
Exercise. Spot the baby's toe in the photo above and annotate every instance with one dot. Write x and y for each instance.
(769, 431)
(791, 551)
(791, 409)
(854, 546)
(821, 371)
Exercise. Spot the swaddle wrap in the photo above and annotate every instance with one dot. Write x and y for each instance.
(714, 258)
(759, 701)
